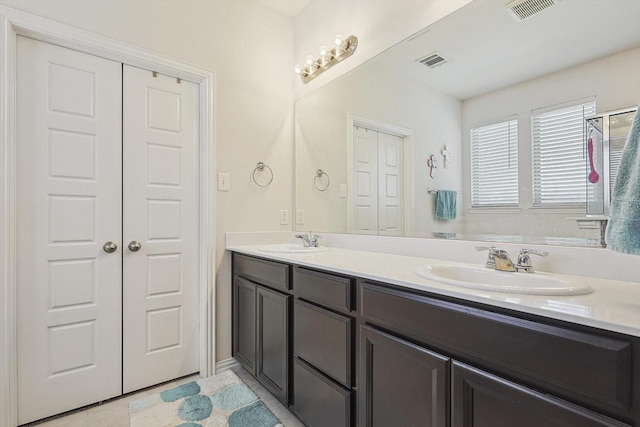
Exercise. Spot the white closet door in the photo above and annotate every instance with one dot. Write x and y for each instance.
(365, 181)
(160, 198)
(390, 185)
(69, 206)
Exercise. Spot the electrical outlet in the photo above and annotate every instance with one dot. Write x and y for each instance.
(284, 217)
(300, 217)
(223, 181)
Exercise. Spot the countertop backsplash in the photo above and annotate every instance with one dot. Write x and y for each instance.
(589, 262)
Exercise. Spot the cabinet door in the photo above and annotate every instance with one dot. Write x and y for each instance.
(273, 342)
(402, 384)
(483, 400)
(244, 323)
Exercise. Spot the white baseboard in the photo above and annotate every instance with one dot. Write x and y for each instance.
(226, 364)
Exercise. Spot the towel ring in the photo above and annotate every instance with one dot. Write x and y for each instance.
(318, 179)
(261, 167)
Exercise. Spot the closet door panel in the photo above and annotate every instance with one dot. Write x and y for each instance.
(365, 181)
(160, 198)
(69, 206)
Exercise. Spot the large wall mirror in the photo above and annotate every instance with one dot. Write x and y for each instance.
(371, 145)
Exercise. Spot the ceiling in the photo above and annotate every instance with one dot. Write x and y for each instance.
(287, 7)
(488, 49)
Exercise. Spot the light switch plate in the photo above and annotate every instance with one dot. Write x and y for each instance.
(343, 190)
(223, 181)
(300, 217)
(284, 217)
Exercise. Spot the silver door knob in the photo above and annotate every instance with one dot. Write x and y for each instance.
(134, 246)
(109, 247)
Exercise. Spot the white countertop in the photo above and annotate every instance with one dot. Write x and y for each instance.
(613, 305)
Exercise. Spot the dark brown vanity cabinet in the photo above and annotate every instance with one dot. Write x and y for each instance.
(323, 348)
(484, 400)
(403, 384)
(244, 322)
(420, 354)
(261, 312)
(341, 351)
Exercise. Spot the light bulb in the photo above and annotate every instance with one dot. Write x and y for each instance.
(309, 60)
(297, 69)
(324, 51)
(338, 40)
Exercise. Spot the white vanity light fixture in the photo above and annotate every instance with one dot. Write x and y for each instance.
(344, 48)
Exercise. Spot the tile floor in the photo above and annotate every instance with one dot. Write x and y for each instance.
(115, 412)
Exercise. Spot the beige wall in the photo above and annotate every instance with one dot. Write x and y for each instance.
(249, 47)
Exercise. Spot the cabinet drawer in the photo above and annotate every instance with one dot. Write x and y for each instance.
(326, 289)
(319, 402)
(323, 339)
(265, 272)
(565, 361)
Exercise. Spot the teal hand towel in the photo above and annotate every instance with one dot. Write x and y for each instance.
(623, 229)
(446, 204)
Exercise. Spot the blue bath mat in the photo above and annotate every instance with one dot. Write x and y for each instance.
(222, 400)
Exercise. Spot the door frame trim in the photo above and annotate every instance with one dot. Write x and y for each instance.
(14, 23)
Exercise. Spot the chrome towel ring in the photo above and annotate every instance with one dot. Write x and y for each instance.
(319, 183)
(258, 171)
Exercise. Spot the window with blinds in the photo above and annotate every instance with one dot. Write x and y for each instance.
(559, 162)
(494, 165)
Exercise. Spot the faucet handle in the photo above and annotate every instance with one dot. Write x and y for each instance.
(533, 251)
(306, 241)
(524, 261)
(491, 262)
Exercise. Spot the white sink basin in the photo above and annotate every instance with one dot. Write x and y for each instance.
(291, 248)
(501, 281)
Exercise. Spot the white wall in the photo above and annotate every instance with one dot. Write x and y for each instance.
(612, 80)
(249, 47)
(378, 24)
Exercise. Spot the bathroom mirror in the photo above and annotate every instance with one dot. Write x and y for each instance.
(380, 132)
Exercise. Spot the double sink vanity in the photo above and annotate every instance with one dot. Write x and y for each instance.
(354, 338)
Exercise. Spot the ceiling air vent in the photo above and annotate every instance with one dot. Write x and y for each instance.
(524, 9)
(433, 60)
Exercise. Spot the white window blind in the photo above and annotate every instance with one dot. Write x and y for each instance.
(559, 165)
(494, 165)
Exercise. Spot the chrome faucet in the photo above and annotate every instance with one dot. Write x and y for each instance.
(498, 259)
(310, 240)
(524, 261)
